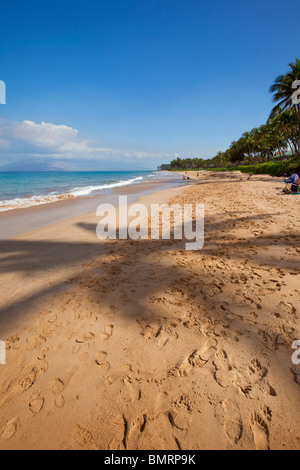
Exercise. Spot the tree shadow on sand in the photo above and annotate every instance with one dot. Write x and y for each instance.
(157, 291)
(111, 263)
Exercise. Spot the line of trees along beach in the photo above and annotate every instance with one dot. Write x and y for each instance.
(275, 144)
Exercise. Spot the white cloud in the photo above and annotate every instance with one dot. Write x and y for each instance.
(27, 139)
(44, 135)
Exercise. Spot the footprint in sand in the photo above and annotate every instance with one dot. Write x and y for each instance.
(27, 382)
(229, 416)
(59, 401)
(161, 432)
(198, 358)
(137, 432)
(118, 374)
(225, 374)
(181, 420)
(260, 432)
(166, 335)
(133, 389)
(12, 340)
(183, 403)
(101, 361)
(57, 386)
(93, 320)
(288, 308)
(254, 374)
(10, 429)
(119, 427)
(83, 437)
(208, 350)
(135, 428)
(85, 338)
(182, 369)
(256, 371)
(76, 349)
(101, 357)
(150, 331)
(162, 402)
(108, 331)
(36, 406)
(35, 342)
(52, 319)
(4, 386)
(57, 389)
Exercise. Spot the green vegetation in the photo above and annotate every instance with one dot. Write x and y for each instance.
(267, 168)
(273, 148)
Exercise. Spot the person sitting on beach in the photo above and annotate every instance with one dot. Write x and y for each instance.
(293, 179)
(292, 184)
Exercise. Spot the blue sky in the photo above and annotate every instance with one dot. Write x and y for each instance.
(138, 81)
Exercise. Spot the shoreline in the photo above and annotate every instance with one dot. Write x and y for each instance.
(19, 221)
(52, 191)
(131, 345)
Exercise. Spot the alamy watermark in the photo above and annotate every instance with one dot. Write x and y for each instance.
(296, 355)
(136, 222)
(296, 93)
(2, 92)
(2, 353)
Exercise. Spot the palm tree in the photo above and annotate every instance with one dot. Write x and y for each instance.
(283, 90)
(248, 143)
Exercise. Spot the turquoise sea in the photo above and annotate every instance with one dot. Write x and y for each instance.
(25, 189)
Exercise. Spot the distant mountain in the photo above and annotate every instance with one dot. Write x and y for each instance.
(44, 164)
(39, 164)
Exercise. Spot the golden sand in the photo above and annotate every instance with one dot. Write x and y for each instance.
(143, 345)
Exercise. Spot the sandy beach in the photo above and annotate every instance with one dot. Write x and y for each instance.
(143, 345)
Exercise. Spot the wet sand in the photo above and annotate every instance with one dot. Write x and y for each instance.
(18, 221)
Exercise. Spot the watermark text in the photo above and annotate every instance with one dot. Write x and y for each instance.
(2, 353)
(296, 94)
(161, 222)
(296, 355)
(2, 92)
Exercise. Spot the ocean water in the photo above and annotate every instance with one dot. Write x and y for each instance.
(25, 189)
